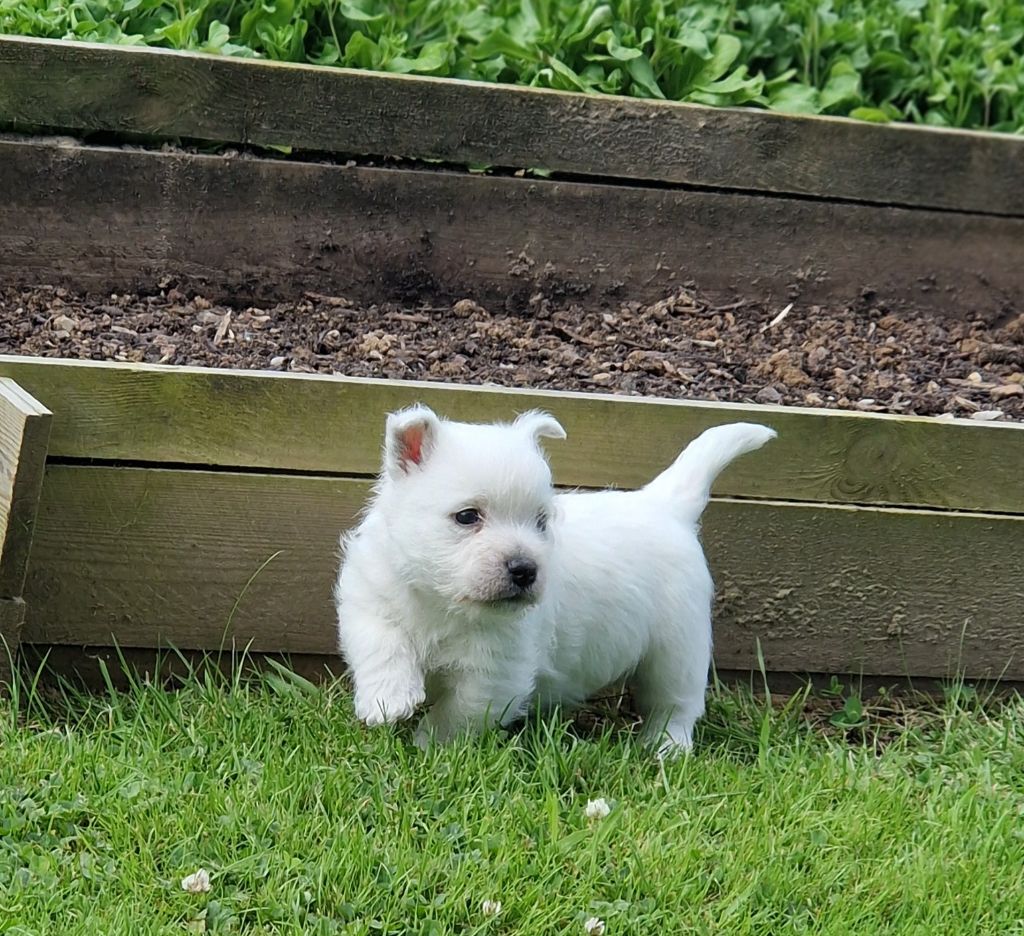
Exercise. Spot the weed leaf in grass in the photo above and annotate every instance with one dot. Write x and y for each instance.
(851, 715)
(284, 680)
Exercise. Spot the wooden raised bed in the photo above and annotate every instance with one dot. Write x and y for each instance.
(650, 195)
(24, 430)
(201, 509)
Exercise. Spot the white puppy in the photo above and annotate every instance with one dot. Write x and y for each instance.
(471, 586)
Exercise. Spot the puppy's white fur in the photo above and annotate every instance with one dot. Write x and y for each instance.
(435, 609)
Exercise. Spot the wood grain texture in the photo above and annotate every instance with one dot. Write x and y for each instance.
(24, 431)
(216, 559)
(155, 92)
(245, 419)
(252, 230)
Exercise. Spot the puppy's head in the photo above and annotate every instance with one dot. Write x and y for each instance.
(468, 508)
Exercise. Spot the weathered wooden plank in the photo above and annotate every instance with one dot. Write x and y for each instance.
(320, 424)
(107, 219)
(211, 559)
(24, 428)
(155, 92)
(24, 431)
(888, 591)
(201, 560)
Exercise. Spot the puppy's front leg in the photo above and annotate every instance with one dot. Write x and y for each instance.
(388, 676)
(473, 700)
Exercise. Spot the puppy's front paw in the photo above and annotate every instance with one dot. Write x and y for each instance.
(388, 704)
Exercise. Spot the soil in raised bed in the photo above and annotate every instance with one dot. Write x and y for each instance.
(683, 347)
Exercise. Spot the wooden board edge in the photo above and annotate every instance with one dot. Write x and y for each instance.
(864, 458)
(12, 392)
(378, 114)
(536, 396)
(30, 459)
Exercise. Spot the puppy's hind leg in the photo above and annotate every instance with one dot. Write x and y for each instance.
(669, 686)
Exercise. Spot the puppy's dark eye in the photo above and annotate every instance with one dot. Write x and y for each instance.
(542, 521)
(468, 517)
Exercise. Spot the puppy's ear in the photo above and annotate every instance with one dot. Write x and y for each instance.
(539, 425)
(409, 438)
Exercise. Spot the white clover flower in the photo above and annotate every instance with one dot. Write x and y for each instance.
(197, 883)
(597, 809)
(491, 908)
(594, 926)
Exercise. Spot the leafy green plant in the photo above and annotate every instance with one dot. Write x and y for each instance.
(951, 63)
(851, 715)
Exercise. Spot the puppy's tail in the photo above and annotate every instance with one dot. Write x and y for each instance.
(687, 482)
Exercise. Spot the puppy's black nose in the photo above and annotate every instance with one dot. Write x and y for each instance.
(523, 572)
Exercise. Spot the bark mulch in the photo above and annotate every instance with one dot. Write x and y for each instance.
(682, 347)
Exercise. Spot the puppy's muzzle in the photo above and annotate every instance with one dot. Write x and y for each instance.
(522, 572)
(518, 587)
(521, 581)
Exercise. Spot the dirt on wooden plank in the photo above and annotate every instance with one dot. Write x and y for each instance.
(682, 347)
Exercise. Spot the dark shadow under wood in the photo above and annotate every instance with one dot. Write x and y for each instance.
(84, 668)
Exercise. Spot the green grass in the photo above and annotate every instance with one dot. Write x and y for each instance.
(911, 821)
(944, 62)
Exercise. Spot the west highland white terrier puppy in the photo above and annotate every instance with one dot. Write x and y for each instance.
(471, 586)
